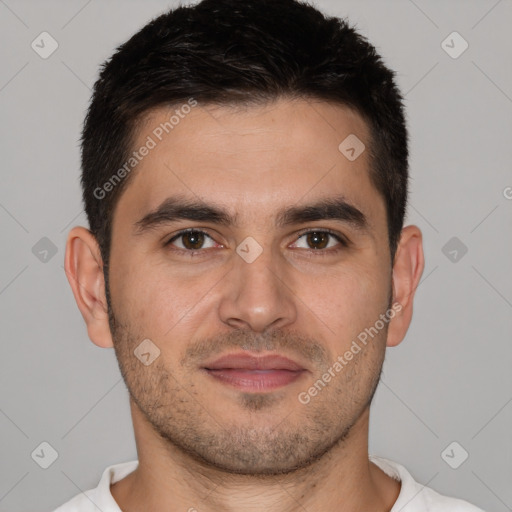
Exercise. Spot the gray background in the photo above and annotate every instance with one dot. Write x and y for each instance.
(450, 380)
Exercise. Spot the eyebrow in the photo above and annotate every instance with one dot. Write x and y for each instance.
(180, 208)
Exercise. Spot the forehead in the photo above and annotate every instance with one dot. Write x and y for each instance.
(251, 158)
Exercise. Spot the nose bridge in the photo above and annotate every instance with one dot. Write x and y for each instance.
(255, 295)
(261, 274)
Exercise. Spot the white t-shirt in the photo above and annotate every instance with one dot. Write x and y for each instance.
(413, 496)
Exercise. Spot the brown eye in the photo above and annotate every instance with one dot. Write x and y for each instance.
(323, 241)
(191, 240)
(318, 239)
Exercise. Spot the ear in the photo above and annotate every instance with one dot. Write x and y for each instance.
(84, 269)
(407, 270)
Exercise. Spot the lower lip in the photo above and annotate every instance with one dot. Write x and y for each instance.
(255, 380)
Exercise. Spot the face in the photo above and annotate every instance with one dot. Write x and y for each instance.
(268, 272)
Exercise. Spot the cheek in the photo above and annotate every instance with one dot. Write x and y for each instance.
(352, 300)
(162, 302)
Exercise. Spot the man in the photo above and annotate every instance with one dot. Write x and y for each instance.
(244, 173)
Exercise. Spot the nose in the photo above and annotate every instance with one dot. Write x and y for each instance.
(258, 295)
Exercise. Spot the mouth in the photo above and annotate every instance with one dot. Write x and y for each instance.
(254, 374)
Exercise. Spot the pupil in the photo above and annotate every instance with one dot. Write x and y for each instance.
(317, 238)
(193, 240)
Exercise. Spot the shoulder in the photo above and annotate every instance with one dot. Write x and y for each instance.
(100, 498)
(415, 497)
(80, 503)
(439, 503)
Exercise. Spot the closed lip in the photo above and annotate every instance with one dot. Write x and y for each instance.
(245, 361)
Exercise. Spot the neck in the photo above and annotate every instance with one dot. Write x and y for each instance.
(169, 480)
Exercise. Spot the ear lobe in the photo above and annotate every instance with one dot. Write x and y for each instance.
(407, 270)
(84, 269)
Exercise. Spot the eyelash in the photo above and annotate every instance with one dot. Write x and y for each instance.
(317, 252)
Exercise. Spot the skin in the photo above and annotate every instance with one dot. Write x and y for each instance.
(205, 445)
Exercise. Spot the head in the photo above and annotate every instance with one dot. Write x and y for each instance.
(233, 120)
